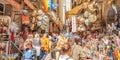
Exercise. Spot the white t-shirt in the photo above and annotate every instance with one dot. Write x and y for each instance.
(36, 45)
(106, 41)
(64, 57)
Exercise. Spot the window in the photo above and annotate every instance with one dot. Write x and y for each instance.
(1, 8)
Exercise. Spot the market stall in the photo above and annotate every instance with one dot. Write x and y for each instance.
(88, 13)
(5, 22)
(39, 20)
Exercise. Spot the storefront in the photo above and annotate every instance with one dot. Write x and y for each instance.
(88, 14)
(5, 22)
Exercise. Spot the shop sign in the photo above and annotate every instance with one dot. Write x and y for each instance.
(25, 19)
(74, 24)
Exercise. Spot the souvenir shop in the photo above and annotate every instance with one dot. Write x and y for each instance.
(5, 22)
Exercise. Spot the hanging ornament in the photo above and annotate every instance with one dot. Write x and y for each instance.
(43, 26)
(33, 26)
(90, 6)
(39, 17)
(40, 12)
(39, 23)
(14, 26)
(110, 1)
(86, 14)
(79, 29)
(58, 24)
(92, 18)
(34, 13)
(83, 28)
(82, 20)
(87, 21)
(33, 20)
(45, 18)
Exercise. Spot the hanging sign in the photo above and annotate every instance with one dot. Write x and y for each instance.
(74, 24)
(25, 19)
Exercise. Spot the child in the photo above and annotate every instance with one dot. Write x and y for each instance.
(29, 53)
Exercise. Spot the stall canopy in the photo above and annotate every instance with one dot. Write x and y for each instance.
(30, 5)
(75, 10)
(13, 3)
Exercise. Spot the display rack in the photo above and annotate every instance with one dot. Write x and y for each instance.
(4, 45)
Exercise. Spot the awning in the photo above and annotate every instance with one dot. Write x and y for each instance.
(14, 3)
(75, 10)
(30, 5)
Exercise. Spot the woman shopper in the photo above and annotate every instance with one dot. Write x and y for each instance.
(37, 45)
(45, 46)
(76, 50)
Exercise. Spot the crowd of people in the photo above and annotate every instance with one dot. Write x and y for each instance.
(85, 45)
(69, 46)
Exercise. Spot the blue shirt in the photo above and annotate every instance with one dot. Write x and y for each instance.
(28, 54)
